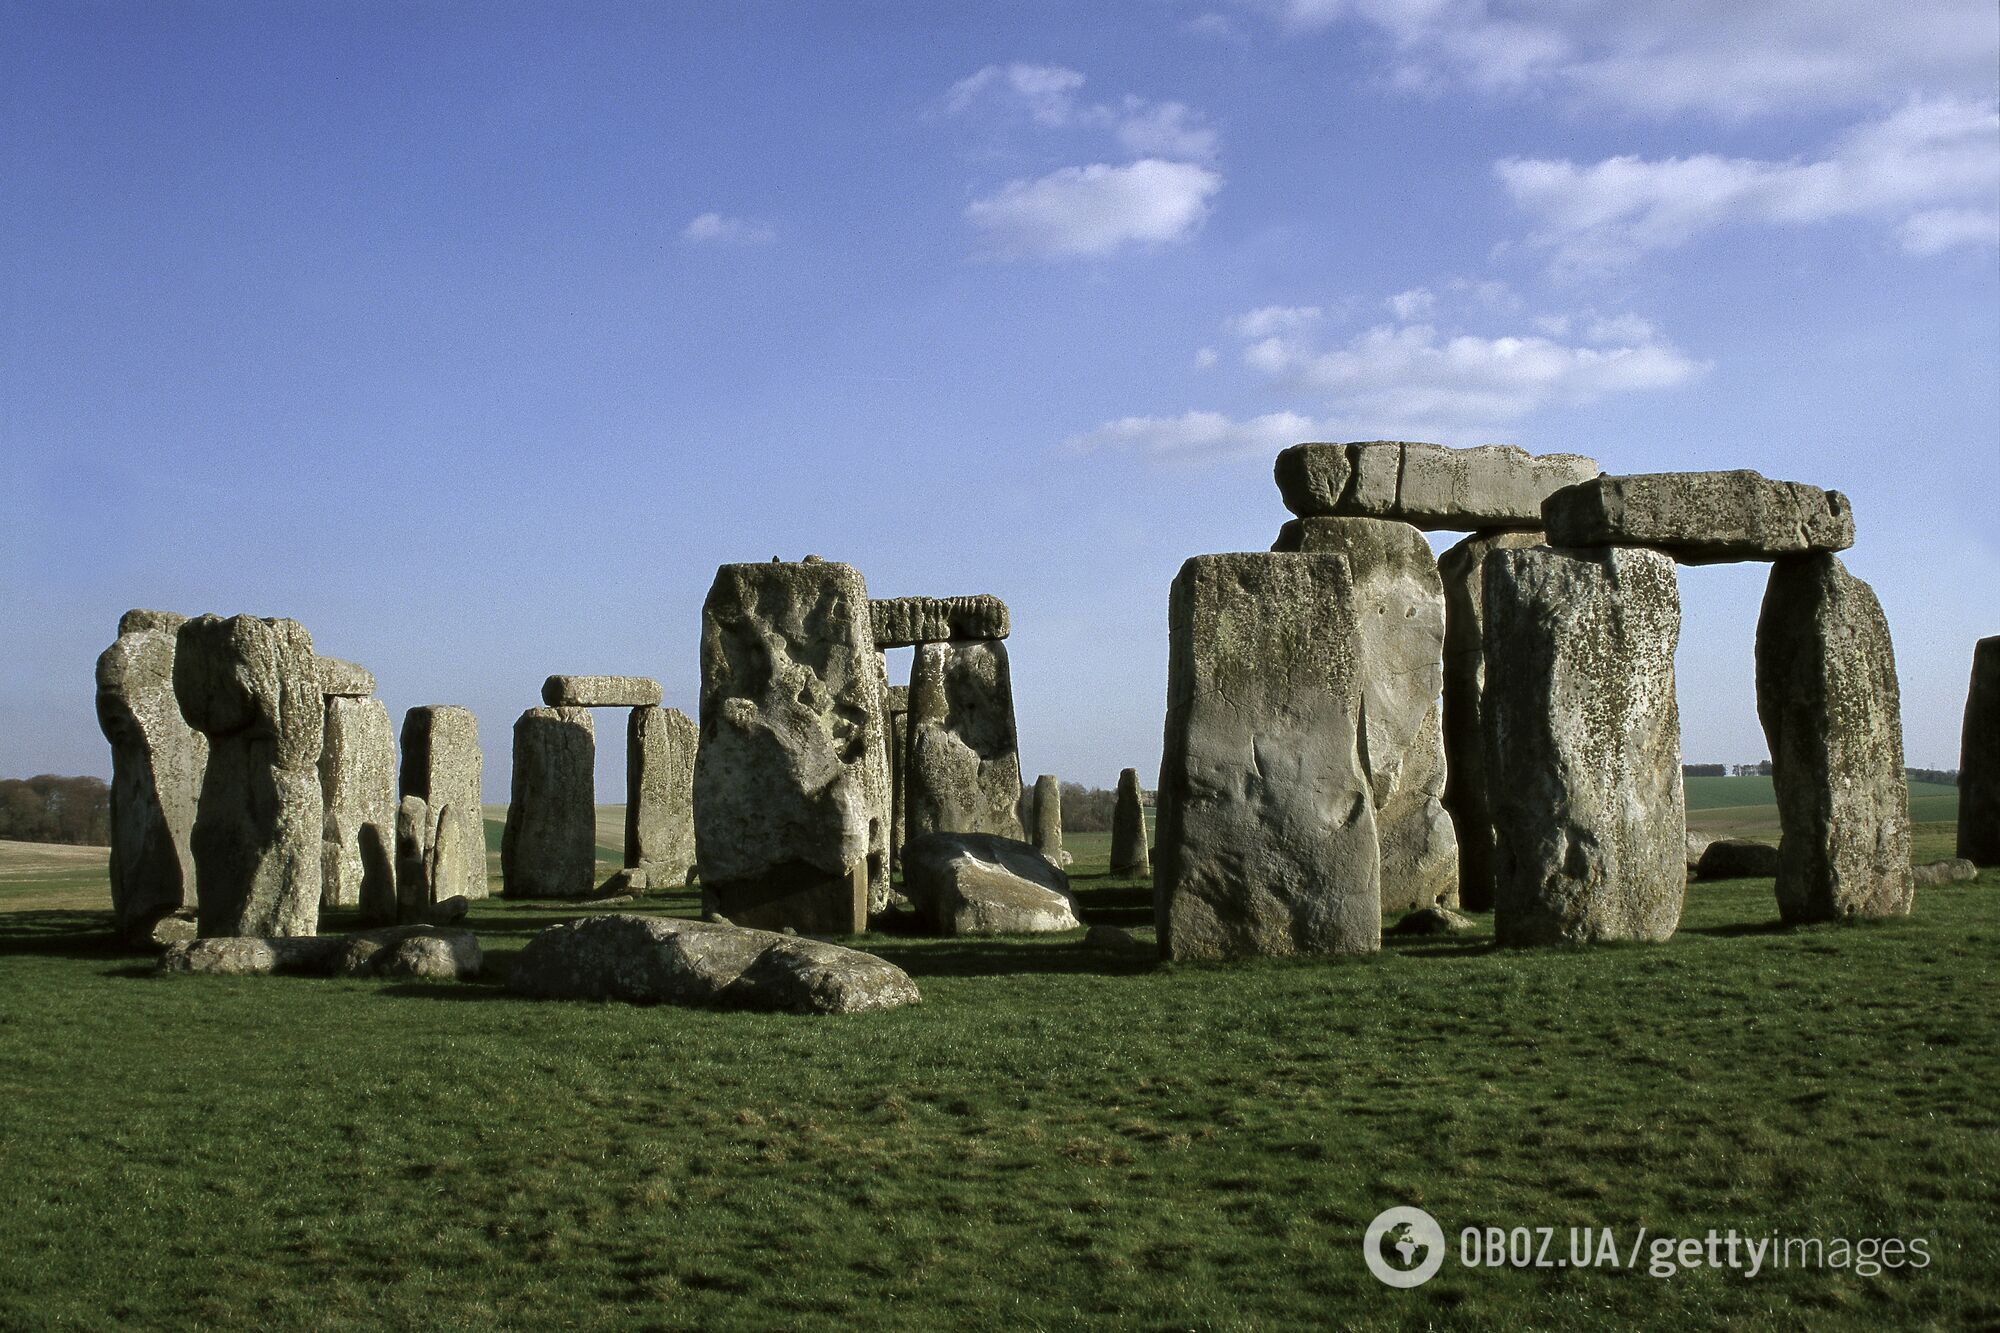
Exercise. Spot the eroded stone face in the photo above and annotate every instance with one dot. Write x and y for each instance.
(157, 762)
(902, 622)
(441, 765)
(1266, 831)
(1701, 517)
(964, 757)
(347, 680)
(549, 848)
(1130, 854)
(1048, 817)
(357, 776)
(791, 783)
(978, 884)
(1583, 745)
(1830, 704)
(1427, 485)
(1979, 760)
(897, 707)
(600, 692)
(659, 794)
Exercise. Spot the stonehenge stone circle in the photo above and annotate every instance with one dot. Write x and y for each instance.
(549, 847)
(345, 680)
(1402, 630)
(1265, 839)
(1130, 854)
(600, 692)
(441, 764)
(903, 622)
(1583, 745)
(252, 687)
(1701, 517)
(963, 764)
(1428, 485)
(791, 781)
(357, 778)
(1830, 704)
(659, 794)
(157, 762)
(1979, 760)
(1048, 817)
(1462, 569)
(979, 884)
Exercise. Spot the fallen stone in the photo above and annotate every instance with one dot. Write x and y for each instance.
(395, 951)
(1583, 737)
(1701, 517)
(1432, 921)
(549, 846)
(409, 953)
(1957, 870)
(659, 794)
(609, 900)
(157, 763)
(344, 680)
(1265, 840)
(1979, 759)
(161, 931)
(1737, 858)
(1110, 937)
(903, 622)
(629, 882)
(1131, 853)
(668, 960)
(441, 764)
(1697, 843)
(1828, 697)
(454, 908)
(357, 779)
(1428, 485)
(601, 692)
(978, 884)
(963, 762)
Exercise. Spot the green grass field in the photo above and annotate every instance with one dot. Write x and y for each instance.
(1057, 1135)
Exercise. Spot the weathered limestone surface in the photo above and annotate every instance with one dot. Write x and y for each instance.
(659, 794)
(252, 687)
(1048, 817)
(549, 847)
(897, 723)
(441, 764)
(964, 757)
(791, 779)
(1402, 631)
(1832, 711)
(600, 692)
(900, 622)
(1265, 841)
(1701, 517)
(978, 884)
(357, 778)
(1130, 854)
(1583, 745)
(1429, 485)
(667, 960)
(397, 952)
(1462, 570)
(157, 761)
(1979, 760)
(343, 679)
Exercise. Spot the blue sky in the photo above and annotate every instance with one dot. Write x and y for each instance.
(475, 337)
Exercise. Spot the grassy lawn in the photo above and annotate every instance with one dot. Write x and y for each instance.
(1057, 1135)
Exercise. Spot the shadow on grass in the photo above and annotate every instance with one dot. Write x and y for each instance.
(62, 934)
(1000, 957)
(1734, 929)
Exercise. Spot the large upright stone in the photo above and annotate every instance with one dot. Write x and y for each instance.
(659, 793)
(413, 863)
(1468, 779)
(549, 847)
(441, 764)
(1832, 712)
(896, 710)
(357, 778)
(1583, 745)
(1401, 626)
(600, 692)
(157, 761)
(1266, 822)
(1701, 517)
(964, 757)
(901, 622)
(1429, 485)
(1979, 760)
(252, 687)
(791, 781)
(1048, 817)
(1129, 852)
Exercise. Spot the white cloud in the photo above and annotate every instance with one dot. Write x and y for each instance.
(1165, 129)
(1927, 156)
(1416, 303)
(1048, 96)
(1938, 229)
(1205, 358)
(1088, 212)
(1267, 320)
(715, 229)
(1046, 92)
(1199, 435)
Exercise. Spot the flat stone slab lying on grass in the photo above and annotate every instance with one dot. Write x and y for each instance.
(1737, 858)
(1432, 921)
(979, 884)
(601, 692)
(1701, 517)
(1427, 485)
(669, 960)
(407, 952)
(1956, 870)
(901, 622)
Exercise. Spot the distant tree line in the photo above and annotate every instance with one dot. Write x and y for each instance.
(1704, 770)
(1947, 776)
(1084, 809)
(53, 809)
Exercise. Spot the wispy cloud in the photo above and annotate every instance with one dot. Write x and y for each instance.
(716, 229)
(1089, 212)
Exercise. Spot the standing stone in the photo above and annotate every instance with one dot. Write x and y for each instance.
(1979, 760)
(1266, 823)
(413, 861)
(897, 711)
(659, 794)
(1832, 712)
(1048, 817)
(441, 764)
(1129, 852)
(1401, 624)
(964, 756)
(357, 778)
(157, 761)
(791, 779)
(1583, 741)
(451, 860)
(549, 847)
(252, 687)
(1468, 778)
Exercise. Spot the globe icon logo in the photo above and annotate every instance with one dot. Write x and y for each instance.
(1403, 1247)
